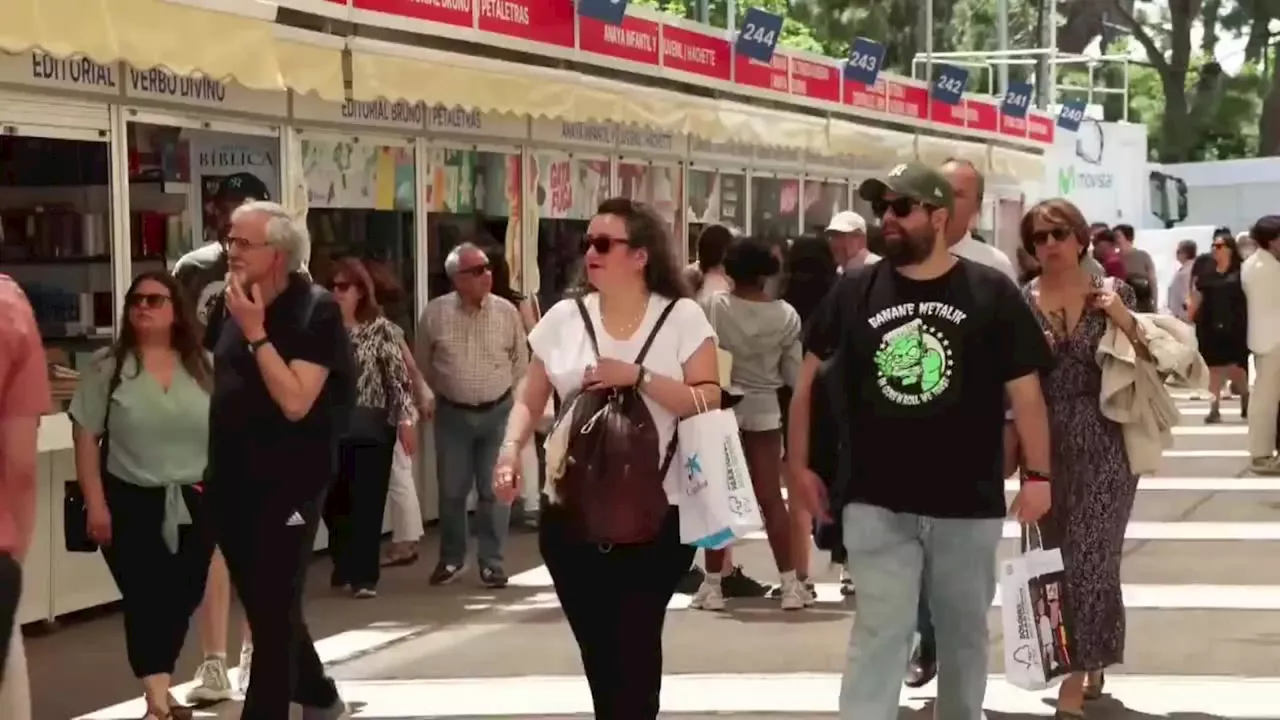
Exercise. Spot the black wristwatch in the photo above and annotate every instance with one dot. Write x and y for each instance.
(255, 345)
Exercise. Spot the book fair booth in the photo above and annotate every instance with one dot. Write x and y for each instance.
(113, 138)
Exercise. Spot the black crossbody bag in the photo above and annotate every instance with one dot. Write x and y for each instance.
(75, 514)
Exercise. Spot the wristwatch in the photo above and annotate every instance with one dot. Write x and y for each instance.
(643, 378)
(255, 345)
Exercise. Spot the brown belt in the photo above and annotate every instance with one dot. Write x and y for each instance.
(478, 407)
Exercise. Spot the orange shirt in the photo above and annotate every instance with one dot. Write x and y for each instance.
(24, 393)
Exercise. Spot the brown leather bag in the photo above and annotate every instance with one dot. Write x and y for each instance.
(612, 482)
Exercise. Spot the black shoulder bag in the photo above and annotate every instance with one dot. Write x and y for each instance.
(75, 514)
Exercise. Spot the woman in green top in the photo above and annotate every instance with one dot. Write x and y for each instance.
(141, 415)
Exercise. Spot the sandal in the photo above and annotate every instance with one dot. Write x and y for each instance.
(394, 559)
(1093, 688)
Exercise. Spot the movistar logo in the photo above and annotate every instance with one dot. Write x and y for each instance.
(1066, 180)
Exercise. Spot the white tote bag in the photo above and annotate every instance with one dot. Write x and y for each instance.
(1036, 638)
(717, 501)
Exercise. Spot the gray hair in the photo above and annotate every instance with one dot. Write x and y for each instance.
(284, 232)
(969, 164)
(454, 259)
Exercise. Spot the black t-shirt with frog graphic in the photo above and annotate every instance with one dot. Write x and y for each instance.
(924, 367)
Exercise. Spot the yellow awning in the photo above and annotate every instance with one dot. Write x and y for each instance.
(384, 70)
(873, 148)
(935, 151)
(1016, 165)
(148, 33)
(310, 62)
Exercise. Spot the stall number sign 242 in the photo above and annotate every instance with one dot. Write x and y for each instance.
(759, 35)
(950, 85)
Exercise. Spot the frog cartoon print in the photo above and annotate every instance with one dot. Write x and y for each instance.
(913, 364)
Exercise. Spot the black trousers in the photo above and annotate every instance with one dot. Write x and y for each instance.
(159, 590)
(354, 510)
(267, 546)
(10, 592)
(615, 599)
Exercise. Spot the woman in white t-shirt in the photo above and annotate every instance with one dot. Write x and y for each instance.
(615, 597)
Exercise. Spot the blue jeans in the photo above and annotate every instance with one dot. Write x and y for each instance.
(467, 444)
(891, 554)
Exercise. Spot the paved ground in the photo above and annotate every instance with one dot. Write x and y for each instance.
(1201, 584)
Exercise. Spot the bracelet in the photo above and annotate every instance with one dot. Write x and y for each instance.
(1035, 476)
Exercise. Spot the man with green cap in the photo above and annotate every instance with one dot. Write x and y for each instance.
(923, 348)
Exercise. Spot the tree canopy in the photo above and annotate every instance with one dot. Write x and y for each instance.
(1193, 109)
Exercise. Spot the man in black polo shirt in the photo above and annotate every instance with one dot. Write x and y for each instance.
(925, 346)
(283, 380)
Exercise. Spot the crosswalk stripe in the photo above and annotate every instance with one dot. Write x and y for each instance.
(1153, 530)
(805, 694)
(1202, 430)
(1223, 453)
(1196, 484)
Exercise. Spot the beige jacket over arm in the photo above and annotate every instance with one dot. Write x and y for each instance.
(1133, 389)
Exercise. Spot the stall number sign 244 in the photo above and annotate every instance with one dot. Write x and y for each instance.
(760, 35)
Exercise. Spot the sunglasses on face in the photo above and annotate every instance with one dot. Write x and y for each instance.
(901, 206)
(150, 301)
(602, 244)
(1219, 246)
(340, 286)
(1041, 237)
(476, 270)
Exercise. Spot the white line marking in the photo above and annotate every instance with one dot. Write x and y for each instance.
(1201, 430)
(1197, 484)
(799, 693)
(1200, 409)
(1156, 530)
(1205, 453)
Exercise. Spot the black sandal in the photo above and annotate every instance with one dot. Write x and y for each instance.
(1093, 691)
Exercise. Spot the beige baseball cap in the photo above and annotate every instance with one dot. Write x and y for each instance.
(847, 221)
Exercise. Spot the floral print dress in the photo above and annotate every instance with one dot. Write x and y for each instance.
(1093, 489)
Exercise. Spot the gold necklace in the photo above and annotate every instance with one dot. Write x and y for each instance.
(630, 327)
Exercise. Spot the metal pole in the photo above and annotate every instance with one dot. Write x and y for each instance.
(1042, 65)
(1092, 80)
(1002, 40)
(1052, 16)
(732, 17)
(1124, 114)
(928, 51)
(704, 12)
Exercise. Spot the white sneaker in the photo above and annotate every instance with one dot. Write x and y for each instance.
(212, 683)
(795, 596)
(710, 596)
(246, 665)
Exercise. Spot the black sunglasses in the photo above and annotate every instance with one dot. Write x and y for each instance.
(901, 206)
(1041, 237)
(341, 286)
(602, 244)
(475, 270)
(151, 301)
(1219, 245)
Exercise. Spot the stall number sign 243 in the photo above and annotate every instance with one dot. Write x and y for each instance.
(759, 35)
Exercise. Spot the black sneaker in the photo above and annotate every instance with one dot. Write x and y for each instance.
(493, 577)
(691, 581)
(737, 584)
(446, 573)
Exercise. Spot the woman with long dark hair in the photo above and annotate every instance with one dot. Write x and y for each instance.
(615, 596)
(141, 415)
(811, 272)
(1218, 309)
(385, 412)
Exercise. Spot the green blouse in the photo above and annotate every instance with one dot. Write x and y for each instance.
(158, 438)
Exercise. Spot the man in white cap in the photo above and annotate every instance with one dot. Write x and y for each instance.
(847, 233)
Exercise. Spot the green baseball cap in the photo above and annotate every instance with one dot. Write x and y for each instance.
(914, 180)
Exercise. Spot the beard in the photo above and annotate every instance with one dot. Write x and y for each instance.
(906, 248)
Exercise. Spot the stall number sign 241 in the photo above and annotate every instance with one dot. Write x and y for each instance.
(759, 35)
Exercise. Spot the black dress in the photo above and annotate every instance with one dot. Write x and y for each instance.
(1221, 320)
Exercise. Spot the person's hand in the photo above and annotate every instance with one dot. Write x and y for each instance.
(809, 490)
(247, 308)
(506, 475)
(610, 373)
(1032, 502)
(1110, 303)
(407, 433)
(428, 409)
(98, 524)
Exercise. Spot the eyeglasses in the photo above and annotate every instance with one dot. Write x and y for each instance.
(475, 270)
(150, 301)
(901, 206)
(602, 244)
(340, 286)
(1041, 237)
(240, 243)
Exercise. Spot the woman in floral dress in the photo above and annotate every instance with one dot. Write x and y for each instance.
(1093, 489)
